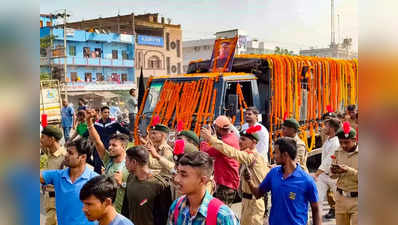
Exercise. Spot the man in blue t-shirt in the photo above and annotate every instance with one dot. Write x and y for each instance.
(291, 188)
(68, 118)
(98, 196)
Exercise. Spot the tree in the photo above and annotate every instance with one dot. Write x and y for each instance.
(45, 42)
(282, 51)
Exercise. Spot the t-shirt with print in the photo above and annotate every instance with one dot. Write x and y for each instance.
(119, 220)
(110, 168)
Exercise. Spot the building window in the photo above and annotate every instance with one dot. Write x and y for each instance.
(168, 64)
(86, 52)
(196, 48)
(98, 52)
(100, 77)
(41, 23)
(72, 50)
(178, 48)
(154, 62)
(73, 76)
(167, 41)
(48, 24)
(178, 68)
(124, 77)
(114, 54)
(88, 77)
(43, 52)
(174, 69)
(115, 77)
(124, 54)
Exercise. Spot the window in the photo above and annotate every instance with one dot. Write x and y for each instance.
(72, 50)
(115, 77)
(88, 77)
(196, 49)
(168, 64)
(124, 77)
(114, 54)
(48, 24)
(124, 54)
(86, 52)
(41, 23)
(73, 76)
(154, 62)
(178, 68)
(231, 98)
(178, 48)
(98, 52)
(100, 77)
(168, 41)
(43, 52)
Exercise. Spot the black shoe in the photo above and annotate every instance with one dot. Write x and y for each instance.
(330, 215)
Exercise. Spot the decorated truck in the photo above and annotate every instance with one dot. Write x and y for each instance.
(280, 86)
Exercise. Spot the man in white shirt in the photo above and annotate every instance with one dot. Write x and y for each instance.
(322, 178)
(251, 119)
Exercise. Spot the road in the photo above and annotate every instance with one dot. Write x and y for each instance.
(235, 207)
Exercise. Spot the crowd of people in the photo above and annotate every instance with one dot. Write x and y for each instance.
(96, 178)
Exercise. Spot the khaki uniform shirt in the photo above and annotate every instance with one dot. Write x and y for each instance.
(166, 164)
(347, 181)
(248, 159)
(301, 153)
(54, 162)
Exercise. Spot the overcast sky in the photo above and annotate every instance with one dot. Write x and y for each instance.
(293, 24)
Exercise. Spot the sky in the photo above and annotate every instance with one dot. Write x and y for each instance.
(292, 24)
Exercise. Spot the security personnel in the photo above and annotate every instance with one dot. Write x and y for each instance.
(191, 140)
(345, 169)
(158, 135)
(49, 141)
(290, 128)
(252, 209)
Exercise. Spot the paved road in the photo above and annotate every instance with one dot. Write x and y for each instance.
(236, 208)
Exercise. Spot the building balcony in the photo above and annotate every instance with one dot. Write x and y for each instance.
(101, 62)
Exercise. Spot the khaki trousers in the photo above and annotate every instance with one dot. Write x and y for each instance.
(252, 212)
(346, 210)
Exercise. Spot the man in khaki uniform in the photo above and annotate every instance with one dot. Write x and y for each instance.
(158, 135)
(290, 128)
(49, 141)
(252, 208)
(345, 169)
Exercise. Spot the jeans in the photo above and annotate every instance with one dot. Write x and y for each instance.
(66, 133)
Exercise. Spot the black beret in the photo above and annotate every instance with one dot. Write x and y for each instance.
(53, 131)
(350, 135)
(291, 123)
(160, 127)
(190, 134)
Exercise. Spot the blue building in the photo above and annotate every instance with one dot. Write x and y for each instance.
(96, 62)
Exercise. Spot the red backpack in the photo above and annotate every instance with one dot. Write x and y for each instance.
(212, 211)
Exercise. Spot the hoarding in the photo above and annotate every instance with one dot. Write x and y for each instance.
(150, 40)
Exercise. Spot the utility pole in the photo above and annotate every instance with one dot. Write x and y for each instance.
(65, 57)
(332, 41)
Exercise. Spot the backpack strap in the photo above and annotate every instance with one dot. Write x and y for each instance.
(177, 210)
(212, 211)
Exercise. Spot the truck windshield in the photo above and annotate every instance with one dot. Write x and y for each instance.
(153, 96)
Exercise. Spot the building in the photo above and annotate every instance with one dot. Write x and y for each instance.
(158, 43)
(203, 48)
(95, 62)
(47, 20)
(342, 51)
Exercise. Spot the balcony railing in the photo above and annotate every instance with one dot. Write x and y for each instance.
(71, 60)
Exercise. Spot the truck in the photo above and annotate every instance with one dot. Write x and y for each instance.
(279, 86)
(50, 101)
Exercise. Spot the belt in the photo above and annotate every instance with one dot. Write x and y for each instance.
(51, 194)
(247, 196)
(347, 194)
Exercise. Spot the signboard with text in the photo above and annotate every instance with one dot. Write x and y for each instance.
(150, 40)
(98, 86)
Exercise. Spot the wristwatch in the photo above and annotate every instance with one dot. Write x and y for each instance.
(124, 185)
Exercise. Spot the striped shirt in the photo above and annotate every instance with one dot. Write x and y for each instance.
(225, 215)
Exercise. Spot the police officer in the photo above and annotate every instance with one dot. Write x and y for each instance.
(49, 141)
(290, 128)
(252, 208)
(345, 168)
